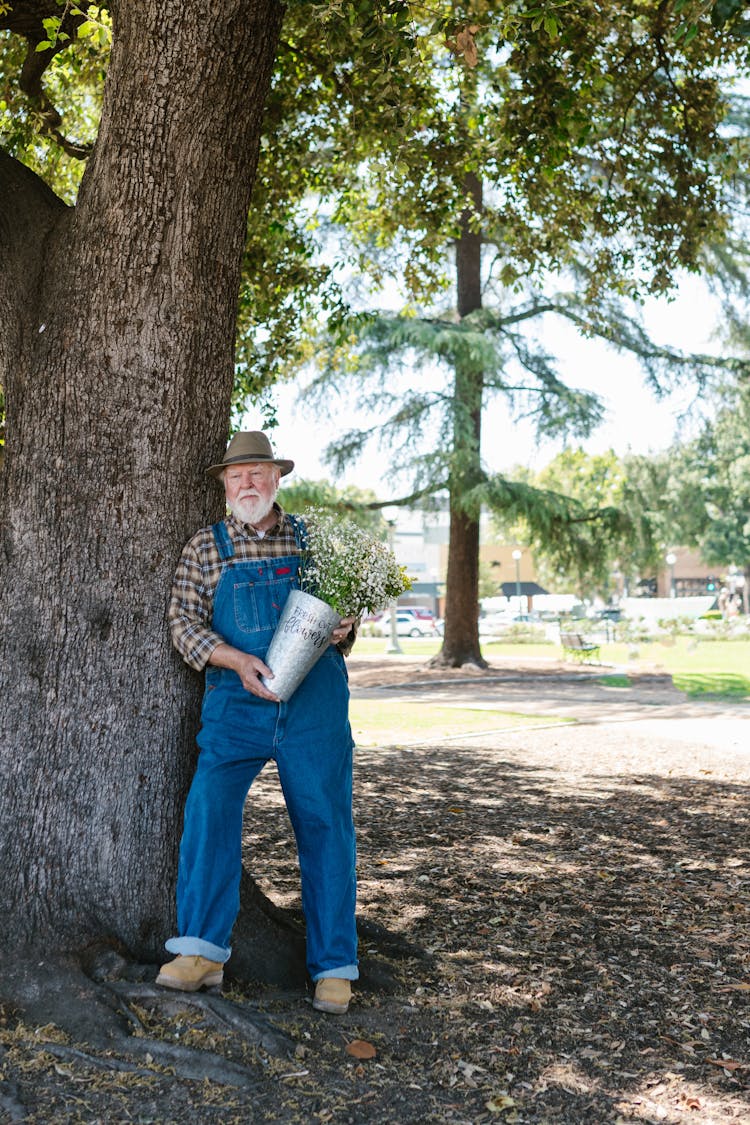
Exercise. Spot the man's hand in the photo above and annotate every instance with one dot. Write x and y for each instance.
(250, 672)
(342, 630)
(249, 669)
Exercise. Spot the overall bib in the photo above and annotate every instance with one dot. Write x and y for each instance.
(310, 740)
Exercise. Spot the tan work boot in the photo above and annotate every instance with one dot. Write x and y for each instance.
(332, 995)
(190, 973)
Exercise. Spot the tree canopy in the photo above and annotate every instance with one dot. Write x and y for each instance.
(564, 164)
(588, 125)
(594, 532)
(580, 154)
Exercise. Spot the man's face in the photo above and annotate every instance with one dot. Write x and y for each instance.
(251, 490)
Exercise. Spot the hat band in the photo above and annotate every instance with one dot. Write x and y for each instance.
(248, 459)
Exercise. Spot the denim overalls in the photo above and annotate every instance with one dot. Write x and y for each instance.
(310, 739)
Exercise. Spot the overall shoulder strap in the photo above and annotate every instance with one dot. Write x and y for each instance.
(222, 539)
(300, 532)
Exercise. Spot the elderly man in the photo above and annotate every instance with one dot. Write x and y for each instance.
(230, 586)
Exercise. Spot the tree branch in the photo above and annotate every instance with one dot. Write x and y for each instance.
(28, 208)
(403, 501)
(28, 211)
(25, 18)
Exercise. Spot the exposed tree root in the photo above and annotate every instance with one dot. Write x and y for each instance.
(100, 1062)
(223, 1015)
(11, 1106)
(55, 990)
(101, 1021)
(197, 1064)
(377, 974)
(268, 943)
(96, 1010)
(185, 1062)
(469, 661)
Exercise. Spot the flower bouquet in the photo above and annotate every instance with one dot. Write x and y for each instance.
(344, 572)
(348, 568)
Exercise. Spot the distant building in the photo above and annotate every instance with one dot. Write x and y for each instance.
(687, 577)
(420, 542)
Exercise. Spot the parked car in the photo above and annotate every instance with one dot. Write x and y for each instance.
(492, 624)
(420, 611)
(408, 624)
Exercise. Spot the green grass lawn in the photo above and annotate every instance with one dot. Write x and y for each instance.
(699, 667)
(375, 723)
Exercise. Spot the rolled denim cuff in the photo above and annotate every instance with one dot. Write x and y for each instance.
(197, 947)
(346, 972)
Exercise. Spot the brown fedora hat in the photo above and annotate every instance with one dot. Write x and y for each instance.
(249, 447)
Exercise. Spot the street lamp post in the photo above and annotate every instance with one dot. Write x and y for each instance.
(671, 560)
(394, 646)
(517, 559)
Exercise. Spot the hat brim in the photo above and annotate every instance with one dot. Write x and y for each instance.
(215, 471)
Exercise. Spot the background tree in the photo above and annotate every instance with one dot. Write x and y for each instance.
(360, 505)
(645, 491)
(532, 151)
(707, 494)
(593, 483)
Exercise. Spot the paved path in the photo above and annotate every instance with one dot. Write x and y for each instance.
(652, 708)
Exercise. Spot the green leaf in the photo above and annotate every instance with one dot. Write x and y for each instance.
(724, 10)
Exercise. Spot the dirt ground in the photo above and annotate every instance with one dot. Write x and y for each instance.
(572, 901)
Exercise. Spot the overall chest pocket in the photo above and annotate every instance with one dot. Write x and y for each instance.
(258, 604)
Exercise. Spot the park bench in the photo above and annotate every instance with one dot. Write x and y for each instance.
(580, 649)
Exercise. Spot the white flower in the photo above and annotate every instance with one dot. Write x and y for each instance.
(348, 568)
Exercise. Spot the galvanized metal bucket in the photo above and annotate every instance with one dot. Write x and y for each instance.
(302, 636)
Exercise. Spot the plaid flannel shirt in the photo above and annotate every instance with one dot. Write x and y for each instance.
(197, 576)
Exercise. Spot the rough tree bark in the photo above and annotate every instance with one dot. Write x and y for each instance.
(116, 353)
(461, 639)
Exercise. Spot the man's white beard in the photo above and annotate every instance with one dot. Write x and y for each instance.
(252, 510)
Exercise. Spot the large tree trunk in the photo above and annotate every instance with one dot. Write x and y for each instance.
(116, 353)
(461, 638)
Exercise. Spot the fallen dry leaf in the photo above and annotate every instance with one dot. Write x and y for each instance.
(727, 1064)
(500, 1102)
(361, 1049)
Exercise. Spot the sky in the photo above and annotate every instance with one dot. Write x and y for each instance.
(635, 420)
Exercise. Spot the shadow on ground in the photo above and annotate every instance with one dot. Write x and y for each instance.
(588, 932)
(581, 894)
